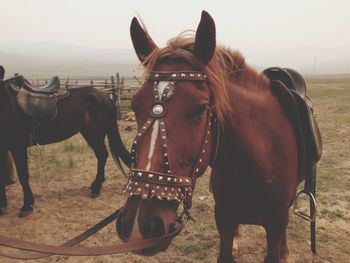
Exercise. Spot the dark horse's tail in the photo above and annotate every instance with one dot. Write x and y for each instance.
(118, 148)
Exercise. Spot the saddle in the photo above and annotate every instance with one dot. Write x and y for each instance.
(39, 103)
(51, 87)
(292, 85)
(290, 89)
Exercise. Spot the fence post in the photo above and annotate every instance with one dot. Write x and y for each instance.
(116, 92)
(121, 86)
(67, 83)
(112, 93)
(106, 84)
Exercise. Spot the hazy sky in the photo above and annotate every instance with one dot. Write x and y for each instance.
(240, 24)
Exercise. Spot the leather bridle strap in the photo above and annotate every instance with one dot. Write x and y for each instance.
(165, 184)
(67, 248)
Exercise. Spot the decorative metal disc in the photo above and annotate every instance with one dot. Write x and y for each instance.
(158, 109)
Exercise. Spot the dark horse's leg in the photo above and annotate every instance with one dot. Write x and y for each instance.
(20, 157)
(101, 153)
(3, 163)
(10, 173)
(227, 229)
(277, 250)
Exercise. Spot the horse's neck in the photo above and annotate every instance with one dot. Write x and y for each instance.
(243, 123)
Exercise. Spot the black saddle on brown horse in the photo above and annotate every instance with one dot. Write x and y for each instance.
(294, 82)
(39, 103)
(290, 89)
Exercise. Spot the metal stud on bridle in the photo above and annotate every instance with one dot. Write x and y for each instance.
(165, 185)
(158, 109)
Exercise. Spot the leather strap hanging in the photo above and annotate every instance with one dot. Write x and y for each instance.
(67, 248)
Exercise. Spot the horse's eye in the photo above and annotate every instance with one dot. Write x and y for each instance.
(200, 110)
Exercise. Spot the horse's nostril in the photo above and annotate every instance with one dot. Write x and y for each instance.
(155, 228)
(123, 230)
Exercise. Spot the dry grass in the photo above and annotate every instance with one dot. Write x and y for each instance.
(63, 206)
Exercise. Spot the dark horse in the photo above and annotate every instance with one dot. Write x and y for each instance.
(203, 105)
(83, 109)
(9, 167)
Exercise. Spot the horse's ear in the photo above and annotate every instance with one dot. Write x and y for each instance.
(205, 43)
(2, 72)
(143, 43)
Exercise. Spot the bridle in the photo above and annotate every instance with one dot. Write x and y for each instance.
(147, 184)
(166, 185)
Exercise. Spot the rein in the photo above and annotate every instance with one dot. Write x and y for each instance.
(68, 249)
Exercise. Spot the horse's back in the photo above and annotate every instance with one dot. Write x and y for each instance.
(85, 108)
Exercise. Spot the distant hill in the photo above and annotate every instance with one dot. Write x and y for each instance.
(45, 59)
(38, 60)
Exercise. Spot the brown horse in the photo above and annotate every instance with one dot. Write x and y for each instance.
(85, 110)
(203, 105)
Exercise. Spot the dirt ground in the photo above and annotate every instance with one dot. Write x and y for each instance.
(60, 181)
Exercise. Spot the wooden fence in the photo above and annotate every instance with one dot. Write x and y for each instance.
(119, 89)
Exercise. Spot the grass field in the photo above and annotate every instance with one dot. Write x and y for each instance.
(60, 182)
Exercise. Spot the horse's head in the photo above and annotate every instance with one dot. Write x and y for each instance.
(174, 141)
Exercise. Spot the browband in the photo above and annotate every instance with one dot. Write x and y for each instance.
(178, 75)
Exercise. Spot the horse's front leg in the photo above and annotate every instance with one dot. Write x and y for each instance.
(21, 161)
(227, 230)
(277, 250)
(284, 251)
(3, 165)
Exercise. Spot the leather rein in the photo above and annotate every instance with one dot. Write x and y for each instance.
(144, 183)
(68, 248)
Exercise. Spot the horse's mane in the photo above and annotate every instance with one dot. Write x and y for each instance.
(225, 66)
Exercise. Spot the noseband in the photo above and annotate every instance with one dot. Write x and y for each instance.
(166, 185)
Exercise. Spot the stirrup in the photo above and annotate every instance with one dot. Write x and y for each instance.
(297, 211)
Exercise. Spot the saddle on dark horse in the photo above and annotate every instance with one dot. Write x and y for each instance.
(39, 103)
(290, 89)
